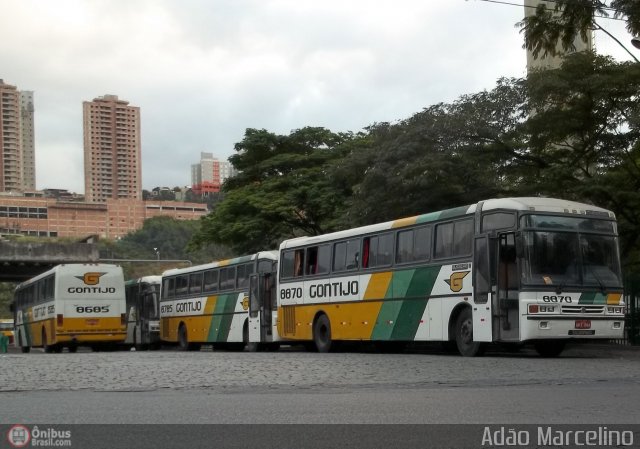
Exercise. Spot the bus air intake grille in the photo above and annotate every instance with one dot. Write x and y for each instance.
(289, 320)
(578, 309)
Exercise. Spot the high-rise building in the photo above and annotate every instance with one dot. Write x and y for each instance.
(210, 173)
(552, 61)
(112, 167)
(28, 144)
(17, 148)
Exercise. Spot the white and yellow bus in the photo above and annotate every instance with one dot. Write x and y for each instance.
(511, 270)
(208, 304)
(69, 306)
(143, 312)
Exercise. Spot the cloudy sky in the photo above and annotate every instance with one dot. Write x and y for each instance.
(202, 71)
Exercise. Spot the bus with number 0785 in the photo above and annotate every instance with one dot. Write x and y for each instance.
(208, 305)
(512, 270)
(71, 305)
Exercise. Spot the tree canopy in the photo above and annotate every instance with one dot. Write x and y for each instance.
(570, 132)
(572, 18)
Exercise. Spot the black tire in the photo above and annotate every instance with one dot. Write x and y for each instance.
(250, 346)
(25, 349)
(48, 349)
(450, 347)
(464, 335)
(322, 334)
(183, 338)
(549, 348)
(271, 347)
(73, 348)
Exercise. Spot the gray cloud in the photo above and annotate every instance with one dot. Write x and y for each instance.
(202, 71)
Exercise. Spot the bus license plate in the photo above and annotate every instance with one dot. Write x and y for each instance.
(92, 321)
(583, 324)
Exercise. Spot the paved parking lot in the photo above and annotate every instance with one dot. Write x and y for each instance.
(300, 371)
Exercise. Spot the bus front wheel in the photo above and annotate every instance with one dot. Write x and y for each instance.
(464, 335)
(322, 334)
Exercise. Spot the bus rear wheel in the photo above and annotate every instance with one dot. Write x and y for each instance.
(183, 340)
(464, 335)
(322, 334)
(47, 347)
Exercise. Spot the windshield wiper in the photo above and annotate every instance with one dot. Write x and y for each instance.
(595, 275)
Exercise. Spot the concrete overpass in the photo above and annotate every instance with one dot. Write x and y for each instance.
(20, 261)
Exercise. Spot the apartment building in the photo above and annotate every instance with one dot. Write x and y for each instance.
(208, 175)
(41, 216)
(112, 165)
(552, 61)
(17, 148)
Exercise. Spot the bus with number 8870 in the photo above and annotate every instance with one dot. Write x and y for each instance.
(512, 270)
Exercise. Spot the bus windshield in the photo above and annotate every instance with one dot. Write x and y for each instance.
(571, 259)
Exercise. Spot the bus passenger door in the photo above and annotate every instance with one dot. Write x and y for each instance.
(508, 284)
(255, 305)
(482, 295)
(261, 299)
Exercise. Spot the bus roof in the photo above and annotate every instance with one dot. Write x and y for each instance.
(273, 255)
(71, 267)
(152, 279)
(548, 205)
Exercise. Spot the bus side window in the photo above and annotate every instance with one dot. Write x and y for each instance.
(312, 260)
(211, 281)
(288, 263)
(195, 283)
(298, 263)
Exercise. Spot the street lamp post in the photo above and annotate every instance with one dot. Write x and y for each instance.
(157, 253)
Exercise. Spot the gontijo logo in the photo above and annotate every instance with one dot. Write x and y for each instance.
(91, 278)
(455, 280)
(18, 436)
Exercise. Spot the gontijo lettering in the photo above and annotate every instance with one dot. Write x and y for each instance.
(334, 289)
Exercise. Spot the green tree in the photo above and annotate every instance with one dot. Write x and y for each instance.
(161, 238)
(572, 18)
(6, 296)
(285, 188)
(445, 156)
(583, 127)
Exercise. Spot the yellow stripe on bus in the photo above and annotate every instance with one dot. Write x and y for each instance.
(378, 285)
(404, 222)
(614, 298)
(210, 306)
(197, 327)
(349, 321)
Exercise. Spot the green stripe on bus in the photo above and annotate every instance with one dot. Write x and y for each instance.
(455, 212)
(417, 296)
(592, 298)
(386, 320)
(426, 218)
(222, 317)
(391, 306)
